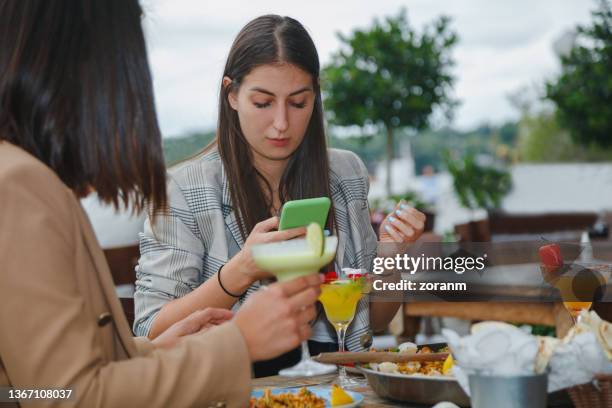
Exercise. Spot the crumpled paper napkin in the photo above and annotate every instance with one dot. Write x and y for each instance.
(501, 349)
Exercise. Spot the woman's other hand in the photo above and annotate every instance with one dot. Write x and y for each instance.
(404, 225)
(195, 322)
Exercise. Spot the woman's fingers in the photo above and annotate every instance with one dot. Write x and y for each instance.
(211, 315)
(393, 233)
(411, 216)
(298, 285)
(401, 226)
(307, 314)
(284, 235)
(304, 298)
(404, 224)
(266, 225)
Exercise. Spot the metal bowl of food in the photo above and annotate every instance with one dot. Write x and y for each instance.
(423, 386)
(416, 388)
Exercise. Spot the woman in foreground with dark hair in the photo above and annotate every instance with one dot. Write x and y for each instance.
(270, 148)
(76, 115)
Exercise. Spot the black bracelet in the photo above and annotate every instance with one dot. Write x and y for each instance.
(223, 287)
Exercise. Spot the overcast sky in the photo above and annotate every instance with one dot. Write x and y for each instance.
(504, 46)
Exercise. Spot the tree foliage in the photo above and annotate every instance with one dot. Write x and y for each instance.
(478, 186)
(390, 75)
(583, 91)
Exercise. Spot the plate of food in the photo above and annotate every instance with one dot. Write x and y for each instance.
(306, 397)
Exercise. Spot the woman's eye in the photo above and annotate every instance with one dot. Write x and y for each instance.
(299, 105)
(261, 105)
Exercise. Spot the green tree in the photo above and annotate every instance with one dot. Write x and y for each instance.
(390, 76)
(541, 140)
(478, 186)
(583, 91)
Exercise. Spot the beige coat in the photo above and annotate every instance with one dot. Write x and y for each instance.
(62, 326)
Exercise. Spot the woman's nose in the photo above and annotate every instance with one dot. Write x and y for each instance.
(281, 122)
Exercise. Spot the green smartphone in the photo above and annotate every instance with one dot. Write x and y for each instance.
(300, 213)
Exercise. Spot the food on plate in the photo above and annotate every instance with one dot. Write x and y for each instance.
(407, 347)
(430, 368)
(448, 365)
(339, 396)
(302, 399)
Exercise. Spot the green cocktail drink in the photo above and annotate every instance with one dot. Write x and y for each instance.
(292, 259)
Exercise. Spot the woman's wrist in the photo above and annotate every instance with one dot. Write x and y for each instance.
(234, 280)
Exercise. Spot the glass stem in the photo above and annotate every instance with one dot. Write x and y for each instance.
(341, 333)
(305, 351)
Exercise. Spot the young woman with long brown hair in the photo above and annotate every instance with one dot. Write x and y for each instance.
(77, 115)
(270, 148)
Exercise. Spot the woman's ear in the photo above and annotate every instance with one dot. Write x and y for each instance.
(231, 96)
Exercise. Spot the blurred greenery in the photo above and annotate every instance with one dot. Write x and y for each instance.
(542, 140)
(583, 91)
(180, 148)
(477, 185)
(391, 77)
(427, 146)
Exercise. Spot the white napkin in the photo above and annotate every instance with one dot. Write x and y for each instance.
(500, 349)
(493, 348)
(577, 361)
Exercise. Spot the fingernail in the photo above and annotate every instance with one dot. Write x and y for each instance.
(387, 228)
(398, 212)
(403, 206)
(392, 218)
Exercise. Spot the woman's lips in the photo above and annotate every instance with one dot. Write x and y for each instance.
(279, 142)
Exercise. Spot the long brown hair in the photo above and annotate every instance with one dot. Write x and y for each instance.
(76, 93)
(271, 39)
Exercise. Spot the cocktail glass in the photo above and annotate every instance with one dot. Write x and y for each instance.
(339, 299)
(290, 260)
(578, 290)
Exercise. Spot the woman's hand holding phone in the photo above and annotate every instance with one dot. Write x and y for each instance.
(242, 264)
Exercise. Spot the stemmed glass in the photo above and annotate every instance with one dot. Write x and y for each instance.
(290, 260)
(339, 298)
(577, 287)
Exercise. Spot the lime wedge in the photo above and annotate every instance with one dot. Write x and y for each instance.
(315, 238)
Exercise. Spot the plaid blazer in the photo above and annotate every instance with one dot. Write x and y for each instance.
(200, 233)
